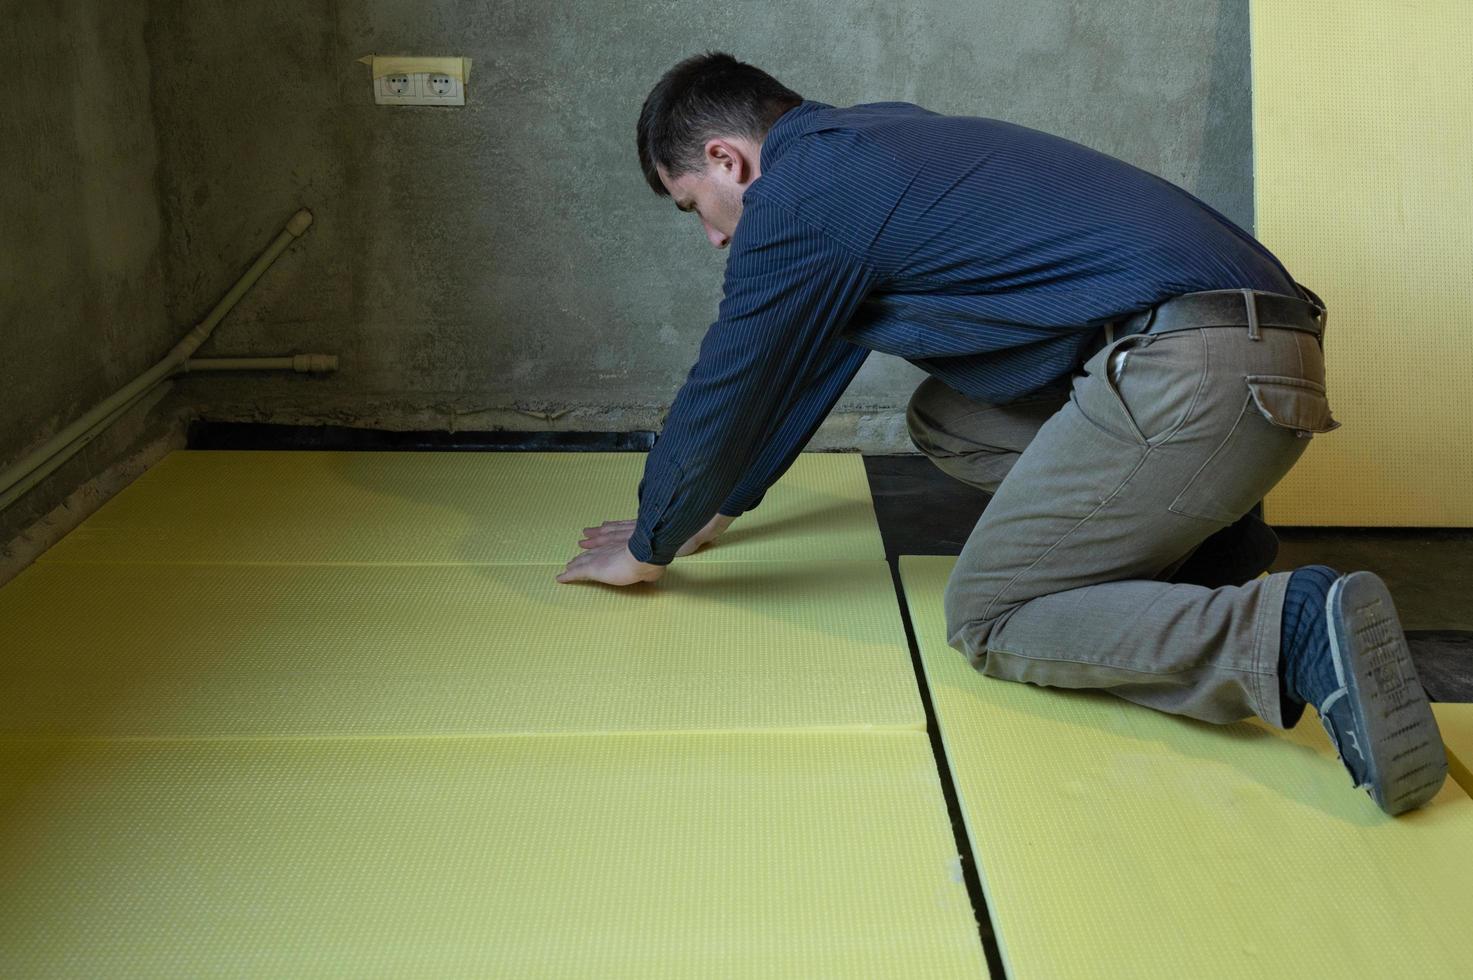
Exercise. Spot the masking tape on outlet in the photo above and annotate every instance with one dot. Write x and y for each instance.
(381, 65)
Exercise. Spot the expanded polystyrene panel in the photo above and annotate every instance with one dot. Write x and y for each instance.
(1117, 841)
(636, 856)
(1456, 723)
(163, 650)
(1363, 180)
(467, 508)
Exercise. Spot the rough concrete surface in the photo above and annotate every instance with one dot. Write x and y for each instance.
(125, 452)
(82, 287)
(504, 262)
(501, 264)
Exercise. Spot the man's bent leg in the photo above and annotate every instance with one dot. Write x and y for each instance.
(1056, 585)
(978, 443)
(975, 442)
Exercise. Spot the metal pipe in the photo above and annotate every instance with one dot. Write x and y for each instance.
(21, 488)
(300, 363)
(66, 442)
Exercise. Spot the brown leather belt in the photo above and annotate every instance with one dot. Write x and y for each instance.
(1227, 308)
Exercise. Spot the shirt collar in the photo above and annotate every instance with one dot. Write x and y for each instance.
(788, 126)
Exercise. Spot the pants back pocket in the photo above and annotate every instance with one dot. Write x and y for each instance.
(1279, 416)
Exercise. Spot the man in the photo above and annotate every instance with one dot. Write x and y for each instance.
(1123, 368)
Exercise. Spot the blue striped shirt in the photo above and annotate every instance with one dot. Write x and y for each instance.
(988, 254)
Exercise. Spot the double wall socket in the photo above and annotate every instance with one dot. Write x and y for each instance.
(418, 87)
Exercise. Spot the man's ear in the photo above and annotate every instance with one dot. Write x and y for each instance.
(728, 156)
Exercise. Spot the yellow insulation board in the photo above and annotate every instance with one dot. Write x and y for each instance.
(1456, 723)
(1363, 178)
(476, 508)
(231, 650)
(820, 855)
(1116, 841)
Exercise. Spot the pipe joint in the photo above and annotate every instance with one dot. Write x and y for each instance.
(16, 479)
(314, 363)
(190, 343)
(299, 223)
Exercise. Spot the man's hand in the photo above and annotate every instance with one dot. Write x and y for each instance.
(619, 532)
(611, 564)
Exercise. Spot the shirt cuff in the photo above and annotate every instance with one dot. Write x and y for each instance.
(639, 547)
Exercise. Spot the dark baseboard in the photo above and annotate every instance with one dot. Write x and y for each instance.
(205, 434)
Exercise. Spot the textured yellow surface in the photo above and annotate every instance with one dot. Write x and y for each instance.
(1364, 187)
(1115, 841)
(222, 650)
(609, 856)
(334, 723)
(285, 507)
(1456, 723)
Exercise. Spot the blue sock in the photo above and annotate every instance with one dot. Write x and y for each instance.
(1306, 672)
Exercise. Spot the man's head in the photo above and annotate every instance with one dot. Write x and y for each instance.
(700, 136)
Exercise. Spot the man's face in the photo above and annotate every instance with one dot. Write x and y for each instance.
(715, 192)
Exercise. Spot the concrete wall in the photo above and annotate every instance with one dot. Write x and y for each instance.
(497, 265)
(500, 263)
(82, 287)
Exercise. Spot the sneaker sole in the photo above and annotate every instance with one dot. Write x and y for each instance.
(1394, 726)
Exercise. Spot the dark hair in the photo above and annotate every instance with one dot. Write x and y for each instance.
(706, 95)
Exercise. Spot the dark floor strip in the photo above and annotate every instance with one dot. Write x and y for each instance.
(922, 511)
(204, 434)
(948, 790)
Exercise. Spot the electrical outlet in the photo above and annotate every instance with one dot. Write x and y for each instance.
(438, 89)
(433, 86)
(417, 79)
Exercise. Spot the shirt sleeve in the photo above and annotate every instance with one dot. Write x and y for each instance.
(789, 290)
(799, 419)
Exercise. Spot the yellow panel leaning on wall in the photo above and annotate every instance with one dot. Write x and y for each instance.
(1363, 177)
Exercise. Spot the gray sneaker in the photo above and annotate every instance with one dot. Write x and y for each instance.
(1379, 720)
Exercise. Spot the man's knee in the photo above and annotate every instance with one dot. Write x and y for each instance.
(959, 435)
(945, 424)
(971, 612)
(921, 415)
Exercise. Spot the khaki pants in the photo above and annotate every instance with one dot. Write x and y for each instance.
(1102, 491)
